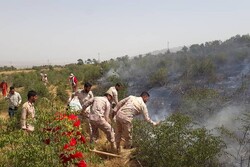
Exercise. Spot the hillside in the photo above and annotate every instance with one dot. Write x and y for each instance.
(208, 83)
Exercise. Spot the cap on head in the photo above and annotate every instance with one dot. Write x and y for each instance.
(71, 75)
(109, 92)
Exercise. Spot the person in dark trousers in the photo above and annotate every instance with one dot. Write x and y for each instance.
(14, 101)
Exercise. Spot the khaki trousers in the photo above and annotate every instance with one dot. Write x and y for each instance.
(104, 126)
(123, 129)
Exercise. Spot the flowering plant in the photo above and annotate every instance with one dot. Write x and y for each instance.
(65, 130)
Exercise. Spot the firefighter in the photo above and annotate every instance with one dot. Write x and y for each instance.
(99, 117)
(114, 90)
(83, 95)
(125, 110)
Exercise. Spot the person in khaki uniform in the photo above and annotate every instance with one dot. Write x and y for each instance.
(84, 95)
(114, 90)
(99, 117)
(125, 110)
(28, 112)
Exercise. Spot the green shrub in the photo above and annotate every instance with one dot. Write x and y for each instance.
(175, 143)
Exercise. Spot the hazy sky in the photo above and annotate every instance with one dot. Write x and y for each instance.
(62, 31)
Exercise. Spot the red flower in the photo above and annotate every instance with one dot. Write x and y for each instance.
(82, 139)
(66, 146)
(72, 142)
(72, 117)
(81, 163)
(78, 133)
(77, 155)
(77, 123)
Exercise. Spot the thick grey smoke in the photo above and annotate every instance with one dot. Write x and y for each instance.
(229, 119)
(231, 82)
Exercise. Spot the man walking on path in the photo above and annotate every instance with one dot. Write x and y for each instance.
(99, 117)
(4, 87)
(73, 82)
(125, 110)
(28, 112)
(14, 101)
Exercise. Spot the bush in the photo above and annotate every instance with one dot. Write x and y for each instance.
(175, 143)
(57, 141)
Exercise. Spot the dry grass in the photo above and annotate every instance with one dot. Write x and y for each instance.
(126, 154)
(15, 71)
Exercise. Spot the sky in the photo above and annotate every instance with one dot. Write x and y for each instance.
(58, 32)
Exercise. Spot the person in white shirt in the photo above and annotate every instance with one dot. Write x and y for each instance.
(15, 100)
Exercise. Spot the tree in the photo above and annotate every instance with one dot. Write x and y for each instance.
(184, 49)
(80, 62)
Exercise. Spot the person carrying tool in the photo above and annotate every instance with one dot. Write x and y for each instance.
(125, 110)
(99, 117)
(14, 101)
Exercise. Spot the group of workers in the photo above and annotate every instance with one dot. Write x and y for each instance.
(100, 111)
(28, 110)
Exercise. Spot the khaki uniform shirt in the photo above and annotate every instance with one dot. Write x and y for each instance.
(114, 94)
(100, 108)
(14, 100)
(127, 108)
(84, 96)
(28, 115)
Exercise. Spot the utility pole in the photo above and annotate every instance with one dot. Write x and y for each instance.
(168, 51)
(99, 58)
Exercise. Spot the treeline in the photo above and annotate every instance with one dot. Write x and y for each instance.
(7, 68)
